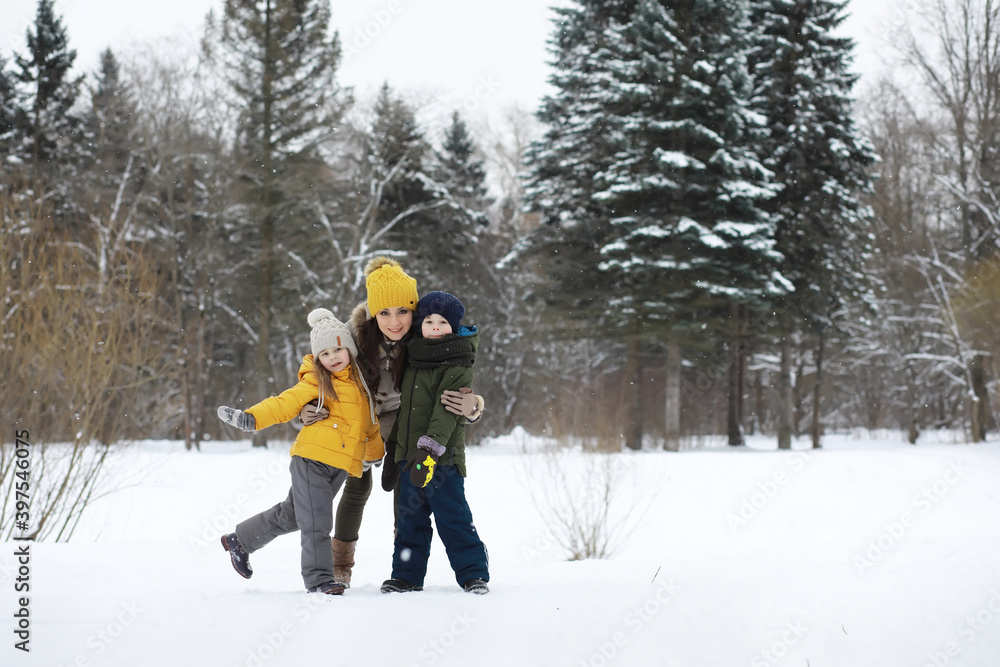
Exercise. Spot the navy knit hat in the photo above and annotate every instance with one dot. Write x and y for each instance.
(441, 303)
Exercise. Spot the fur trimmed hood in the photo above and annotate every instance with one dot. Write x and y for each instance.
(358, 317)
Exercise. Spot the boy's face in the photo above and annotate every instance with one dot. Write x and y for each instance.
(434, 326)
(335, 359)
(394, 322)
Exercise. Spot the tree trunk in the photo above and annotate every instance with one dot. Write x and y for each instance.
(797, 386)
(756, 424)
(633, 390)
(263, 366)
(785, 392)
(914, 430)
(974, 427)
(817, 428)
(200, 365)
(982, 415)
(734, 411)
(914, 406)
(672, 435)
(740, 410)
(188, 408)
(266, 257)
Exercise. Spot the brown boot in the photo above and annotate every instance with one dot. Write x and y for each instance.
(343, 561)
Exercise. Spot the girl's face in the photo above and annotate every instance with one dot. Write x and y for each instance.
(394, 322)
(434, 326)
(335, 359)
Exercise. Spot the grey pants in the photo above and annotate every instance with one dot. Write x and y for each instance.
(308, 509)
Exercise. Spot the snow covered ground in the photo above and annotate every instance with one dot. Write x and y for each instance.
(868, 552)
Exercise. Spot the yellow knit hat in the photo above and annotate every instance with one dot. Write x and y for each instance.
(389, 286)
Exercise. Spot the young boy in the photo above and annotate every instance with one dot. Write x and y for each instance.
(432, 442)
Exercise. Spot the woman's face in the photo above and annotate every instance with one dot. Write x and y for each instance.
(394, 322)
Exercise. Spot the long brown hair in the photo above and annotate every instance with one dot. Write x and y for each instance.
(324, 378)
(369, 340)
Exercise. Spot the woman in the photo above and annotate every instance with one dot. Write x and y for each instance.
(381, 326)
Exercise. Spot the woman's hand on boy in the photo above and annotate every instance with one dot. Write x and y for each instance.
(311, 414)
(462, 402)
(244, 421)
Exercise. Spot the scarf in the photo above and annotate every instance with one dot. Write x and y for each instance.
(449, 350)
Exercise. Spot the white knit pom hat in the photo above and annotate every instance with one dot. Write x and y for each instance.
(328, 331)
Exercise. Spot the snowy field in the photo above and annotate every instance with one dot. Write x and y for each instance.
(870, 552)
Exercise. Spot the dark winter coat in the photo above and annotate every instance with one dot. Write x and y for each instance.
(435, 364)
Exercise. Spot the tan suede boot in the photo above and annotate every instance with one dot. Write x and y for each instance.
(343, 561)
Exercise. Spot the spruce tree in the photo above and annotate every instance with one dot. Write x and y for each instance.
(561, 168)
(686, 190)
(397, 152)
(111, 117)
(10, 111)
(50, 130)
(462, 172)
(427, 208)
(802, 86)
(690, 243)
(461, 181)
(280, 61)
(109, 126)
(576, 297)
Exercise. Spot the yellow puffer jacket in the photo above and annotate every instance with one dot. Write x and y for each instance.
(349, 436)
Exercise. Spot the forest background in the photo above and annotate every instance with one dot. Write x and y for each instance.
(696, 232)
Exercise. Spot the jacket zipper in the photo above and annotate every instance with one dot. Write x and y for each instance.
(413, 383)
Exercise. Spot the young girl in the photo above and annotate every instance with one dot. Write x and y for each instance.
(432, 442)
(323, 455)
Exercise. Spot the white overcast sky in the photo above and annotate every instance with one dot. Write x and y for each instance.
(474, 55)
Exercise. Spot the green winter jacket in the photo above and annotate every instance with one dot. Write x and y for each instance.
(435, 365)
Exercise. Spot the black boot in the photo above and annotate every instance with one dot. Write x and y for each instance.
(238, 555)
(399, 586)
(477, 586)
(330, 588)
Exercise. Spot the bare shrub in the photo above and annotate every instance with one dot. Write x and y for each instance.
(590, 494)
(63, 478)
(83, 359)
